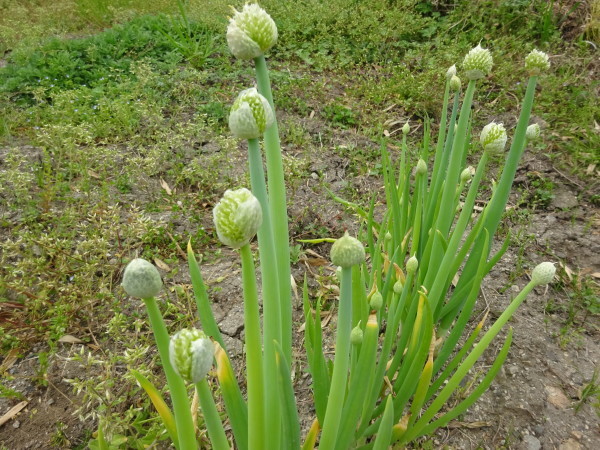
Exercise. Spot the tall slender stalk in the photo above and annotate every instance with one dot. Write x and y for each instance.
(211, 417)
(278, 204)
(254, 357)
(339, 378)
(179, 395)
(270, 289)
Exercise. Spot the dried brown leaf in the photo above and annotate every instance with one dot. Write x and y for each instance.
(166, 187)
(12, 412)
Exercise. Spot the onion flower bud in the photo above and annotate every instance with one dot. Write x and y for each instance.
(347, 251)
(191, 353)
(398, 286)
(543, 273)
(466, 174)
(356, 335)
(455, 84)
(421, 167)
(478, 63)
(533, 132)
(406, 128)
(376, 300)
(493, 137)
(251, 32)
(237, 217)
(141, 279)
(412, 265)
(251, 114)
(537, 62)
(451, 72)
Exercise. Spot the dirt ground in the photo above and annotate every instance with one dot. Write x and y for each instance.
(533, 403)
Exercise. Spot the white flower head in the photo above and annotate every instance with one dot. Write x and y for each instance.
(251, 32)
(141, 279)
(533, 132)
(451, 72)
(251, 114)
(478, 63)
(537, 62)
(237, 217)
(543, 273)
(191, 354)
(347, 251)
(493, 138)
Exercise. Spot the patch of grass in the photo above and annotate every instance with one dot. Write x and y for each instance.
(340, 115)
(590, 393)
(539, 192)
(99, 61)
(578, 315)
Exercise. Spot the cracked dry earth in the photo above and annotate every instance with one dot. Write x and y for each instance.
(535, 402)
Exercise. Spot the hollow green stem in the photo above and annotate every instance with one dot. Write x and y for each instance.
(270, 289)
(179, 395)
(440, 143)
(445, 220)
(339, 378)
(495, 208)
(469, 361)
(211, 417)
(279, 220)
(254, 358)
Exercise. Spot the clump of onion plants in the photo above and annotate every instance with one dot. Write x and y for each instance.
(419, 270)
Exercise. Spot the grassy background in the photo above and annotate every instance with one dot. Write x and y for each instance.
(113, 137)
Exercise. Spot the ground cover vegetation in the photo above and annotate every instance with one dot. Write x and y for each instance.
(115, 144)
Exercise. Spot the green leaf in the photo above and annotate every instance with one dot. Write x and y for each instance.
(159, 403)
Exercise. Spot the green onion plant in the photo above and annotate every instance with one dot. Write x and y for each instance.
(419, 272)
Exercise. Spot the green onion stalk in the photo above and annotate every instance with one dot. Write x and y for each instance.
(346, 252)
(250, 116)
(536, 63)
(237, 218)
(142, 280)
(251, 33)
(191, 354)
(278, 205)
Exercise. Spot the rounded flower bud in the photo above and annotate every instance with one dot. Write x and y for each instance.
(191, 354)
(477, 63)
(537, 62)
(412, 265)
(493, 137)
(406, 128)
(451, 72)
(237, 217)
(356, 335)
(141, 279)
(455, 84)
(347, 251)
(543, 273)
(466, 174)
(533, 132)
(376, 300)
(398, 286)
(251, 114)
(251, 32)
(421, 167)
(388, 236)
